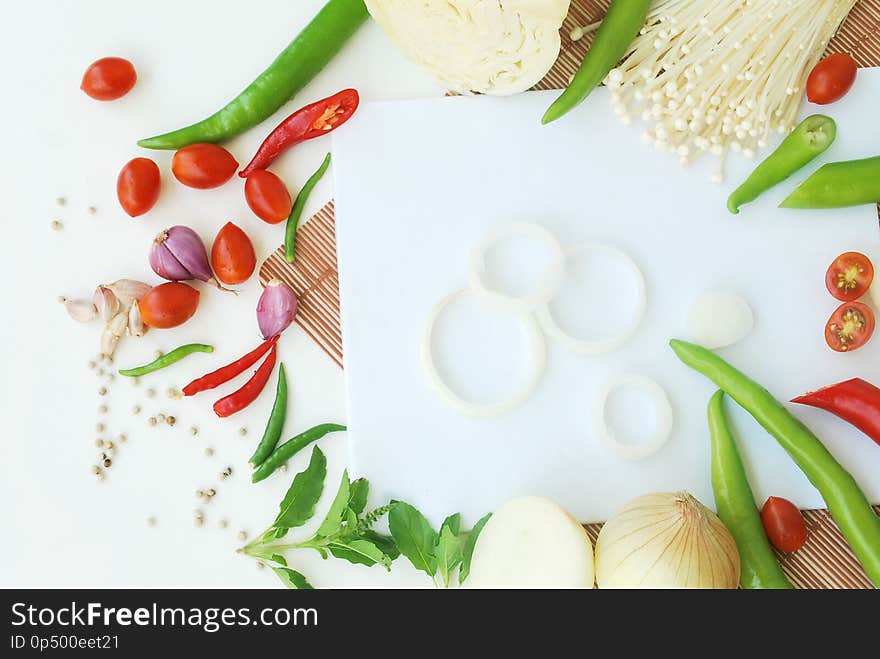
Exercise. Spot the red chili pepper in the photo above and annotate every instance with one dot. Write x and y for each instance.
(854, 400)
(226, 373)
(311, 121)
(247, 394)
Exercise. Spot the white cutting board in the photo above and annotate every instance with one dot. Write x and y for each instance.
(418, 183)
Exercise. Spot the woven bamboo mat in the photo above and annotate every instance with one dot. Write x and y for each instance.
(825, 561)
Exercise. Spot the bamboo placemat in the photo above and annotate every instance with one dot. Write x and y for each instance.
(825, 561)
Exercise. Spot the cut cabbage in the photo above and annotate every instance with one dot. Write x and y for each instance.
(476, 46)
(532, 542)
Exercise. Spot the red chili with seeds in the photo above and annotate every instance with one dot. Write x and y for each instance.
(247, 394)
(311, 121)
(855, 401)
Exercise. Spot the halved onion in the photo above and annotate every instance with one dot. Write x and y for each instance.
(662, 410)
(599, 346)
(468, 408)
(550, 279)
(719, 318)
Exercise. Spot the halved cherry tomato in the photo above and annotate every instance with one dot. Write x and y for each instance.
(783, 524)
(850, 327)
(138, 186)
(267, 196)
(850, 276)
(232, 255)
(168, 305)
(109, 78)
(203, 166)
(831, 79)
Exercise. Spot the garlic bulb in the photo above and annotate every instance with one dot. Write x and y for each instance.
(486, 46)
(666, 540)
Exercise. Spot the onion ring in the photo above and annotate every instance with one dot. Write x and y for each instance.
(547, 286)
(468, 408)
(599, 346)
(662, 409)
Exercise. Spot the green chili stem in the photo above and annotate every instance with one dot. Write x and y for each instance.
(298, 206)
(736, 507)
(291, 447)
(275, 424)
(847, 503)
(166, 360)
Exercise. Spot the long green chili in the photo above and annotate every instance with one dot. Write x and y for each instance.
(297, 64)
(735, 504)
(296, 213)
(166, 360)
(838, 185)
(847, 503)
(811, 137)
(621, 25)
(276, 422)
(291, 447)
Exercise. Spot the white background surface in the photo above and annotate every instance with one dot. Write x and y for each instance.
(452, 169)
(59, 526)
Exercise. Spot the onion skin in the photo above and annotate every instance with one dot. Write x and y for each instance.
(276, 308)
(178, 254)
(666, 540)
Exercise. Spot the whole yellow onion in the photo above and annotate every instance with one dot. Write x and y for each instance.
(666, 540)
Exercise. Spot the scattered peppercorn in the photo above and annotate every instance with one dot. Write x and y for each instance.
(102, 391)
(152, 421)
(171, 420)
(242, 535)
(56, 225)
(193, 431)
(151, 392)
(99, 427)
(242, 431)
(102, 409)
(209, 451)
(136, 409)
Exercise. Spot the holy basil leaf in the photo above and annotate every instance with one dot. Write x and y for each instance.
(383, 542)
(360, 551)
(357, 498)
(278, 558)
(414, 537)
(469, 545)
(333, 521)
(448, 550)
(351, 521)
(292, 579)
(298, 505)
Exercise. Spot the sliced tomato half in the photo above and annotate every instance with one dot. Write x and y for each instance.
(849, 277)
(850, 327)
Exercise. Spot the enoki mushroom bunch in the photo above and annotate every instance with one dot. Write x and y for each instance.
(722, 76)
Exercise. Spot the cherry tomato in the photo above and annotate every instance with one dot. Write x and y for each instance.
(232, 255)
(267, 196)
(109, 78)
(850, 276)
(850, 327)
(138, 186)
(831, 79)
(168, 305)
(203, 166)
(783, 524)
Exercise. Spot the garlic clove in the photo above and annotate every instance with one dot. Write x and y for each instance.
(118, 324)
(129, 290)
(136, 326)
(109, 340)
(81, 311)
(106, 302)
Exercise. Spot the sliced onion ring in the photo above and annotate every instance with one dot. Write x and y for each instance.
(662, 410)
(546, 287)
(599, 346)
(468, 408)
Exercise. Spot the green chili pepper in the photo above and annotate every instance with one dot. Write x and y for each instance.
(736, 506)
(298, 206)
(297, 64)
(291, 447)
(621, 25)
(166, 360)
(847, 503)
(839, 184)
(812, 136)
(276, 422)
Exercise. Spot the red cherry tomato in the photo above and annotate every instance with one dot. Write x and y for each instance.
(203, 166)
(783, 524)
(267, 196)
(232, 255)
(138, 186)
(850, 327)
(109, 78)
(168, 305)
(831, 79)
(850, 276)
